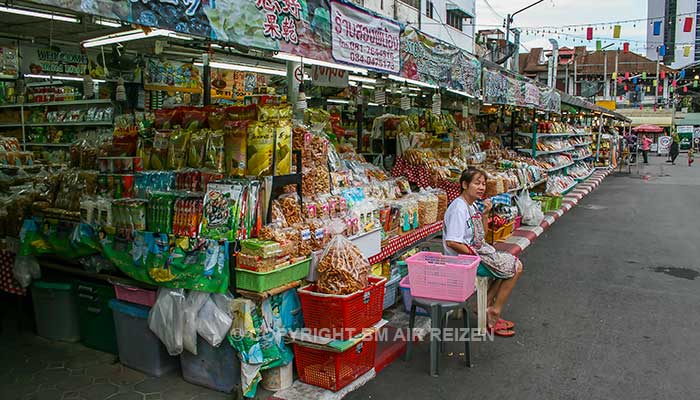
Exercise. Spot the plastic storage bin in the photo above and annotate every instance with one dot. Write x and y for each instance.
(405, 286)
(96, 320)
(263, 281)
(435, 276)
(390, 291)
(135, 295)
(216, 368)
(342, 316)
(138, 347)
(334, 371)
(56, 311)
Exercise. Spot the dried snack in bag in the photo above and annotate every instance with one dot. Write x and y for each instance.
(291, 209)
(197, 149)
(214, 158)
(342, 269)
(235, 147)
(283, 152)
(177, 151)
(260, 147)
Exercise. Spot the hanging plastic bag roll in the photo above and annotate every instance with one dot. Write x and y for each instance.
(194, 302)
(213, 324)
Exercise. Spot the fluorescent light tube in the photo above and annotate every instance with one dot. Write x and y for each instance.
(244, 68)
(135, 34)
(309, 61)
(338, 101)
(411, 81)
(109, 23)
(358, 78)
(61, 78)
(39, 14)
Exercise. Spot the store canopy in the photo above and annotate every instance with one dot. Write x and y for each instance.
(648, 129)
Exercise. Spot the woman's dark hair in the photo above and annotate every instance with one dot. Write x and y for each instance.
(469, 174)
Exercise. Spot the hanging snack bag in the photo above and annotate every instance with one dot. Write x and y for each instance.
(235, 147)
(197, 149)
(221, 210)
(177, 152)
(194, 119)
(260, 147)
(283, 156)
(159, 154)
(214, 156)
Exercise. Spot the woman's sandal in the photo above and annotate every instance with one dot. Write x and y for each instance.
(501, 329)
(507, 324)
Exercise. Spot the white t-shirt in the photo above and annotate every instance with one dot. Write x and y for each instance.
(458, 225)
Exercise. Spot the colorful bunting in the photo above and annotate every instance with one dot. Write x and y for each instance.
(589, 33)
(616, 31)
(688, 25)
(657, 28)
(627, 76)
(686, 51)
(662, 50)
(663, 74)
(625, 47)
(685, 89)
(598, 45)
(644, 75)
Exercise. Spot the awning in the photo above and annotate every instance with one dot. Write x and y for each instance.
(452, 6)
(648, 129)
(660, 121)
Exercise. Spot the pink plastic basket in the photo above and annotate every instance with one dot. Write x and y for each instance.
(439, 277)
(518, 221)
(135, 295)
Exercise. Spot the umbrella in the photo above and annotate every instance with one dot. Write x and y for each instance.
(647, 129)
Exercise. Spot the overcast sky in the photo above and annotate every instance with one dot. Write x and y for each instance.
(569, 12)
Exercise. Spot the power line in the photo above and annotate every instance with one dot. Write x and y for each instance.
(492, 9)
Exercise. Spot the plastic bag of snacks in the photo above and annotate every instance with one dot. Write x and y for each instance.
(177, 151)
(291, 209)
(159, 154)
(260, 148)
(283, 152)
(342, 269)
(235, 147)
(197, 149)
(427, 208)
(221, 210)
(214, 158)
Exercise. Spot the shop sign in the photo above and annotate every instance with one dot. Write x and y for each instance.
(53, 61)
(430, 60)
(664, 144)
(171, 75)
(364, 39)
(496, 88)
(329, 77)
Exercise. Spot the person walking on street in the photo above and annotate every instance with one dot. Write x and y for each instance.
(646, 144)
(691, 160)
(674, 148)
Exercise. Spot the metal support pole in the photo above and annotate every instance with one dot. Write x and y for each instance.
(293, 83)
(206, 80)
(617, 71)
(606, 86)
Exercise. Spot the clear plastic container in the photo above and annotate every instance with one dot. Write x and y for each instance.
(56, 311)
(139, 348)
(216, 368)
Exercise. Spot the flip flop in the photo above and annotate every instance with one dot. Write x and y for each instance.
(499, 330)
(506, 324)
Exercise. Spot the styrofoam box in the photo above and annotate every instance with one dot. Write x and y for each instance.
(369, 243)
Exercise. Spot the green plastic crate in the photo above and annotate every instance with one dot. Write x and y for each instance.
(555, 203)
(263, 281)
(95, 317)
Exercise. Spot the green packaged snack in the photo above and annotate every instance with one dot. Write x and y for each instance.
(222, 208)
(261, 248)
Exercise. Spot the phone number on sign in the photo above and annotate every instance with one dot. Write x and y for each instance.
(372, 61)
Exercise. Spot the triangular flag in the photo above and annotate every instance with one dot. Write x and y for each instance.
(625, 47)
(644, 75)
(663, 74)
(661, 89)
(625, 88)
(616, 31)
(614, 75)
(634, 80)
(662, 50)
(648, 89)
(688, 25)
(695, 84)
(674, 83)
(682, 74)
(685, 89)
(589, 33)
(686, 51)
(671, 88)
(619, 80)
(657, 28)
(627, 76)
(656, 82)
(598, 45)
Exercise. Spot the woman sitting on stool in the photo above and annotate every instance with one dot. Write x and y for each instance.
(463, 233)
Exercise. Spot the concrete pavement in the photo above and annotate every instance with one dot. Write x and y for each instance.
(606, 309)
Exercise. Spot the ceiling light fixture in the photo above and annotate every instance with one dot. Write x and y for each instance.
(134, 34)
(109, 23)
(362, 79)
(338, 101)
(39, 14)
(62, 78)
(411, 81)
(244, 68)
(309, 61)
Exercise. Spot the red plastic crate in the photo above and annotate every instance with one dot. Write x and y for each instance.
(342, 317)
(334, 371)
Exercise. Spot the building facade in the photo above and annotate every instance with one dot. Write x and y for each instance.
(451, 21)
(682, 48)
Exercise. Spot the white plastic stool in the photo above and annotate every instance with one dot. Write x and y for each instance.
(482, 289)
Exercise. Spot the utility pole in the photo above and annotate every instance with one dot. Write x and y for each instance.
(606, 84)
(509, 20)
(617, 70)
(658, 72)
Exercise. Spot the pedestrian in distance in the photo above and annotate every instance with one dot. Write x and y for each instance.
(646, 145)
(674, 148)
(691, 160)
(463, 233)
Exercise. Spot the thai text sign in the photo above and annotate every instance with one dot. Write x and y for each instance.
(364, 39)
